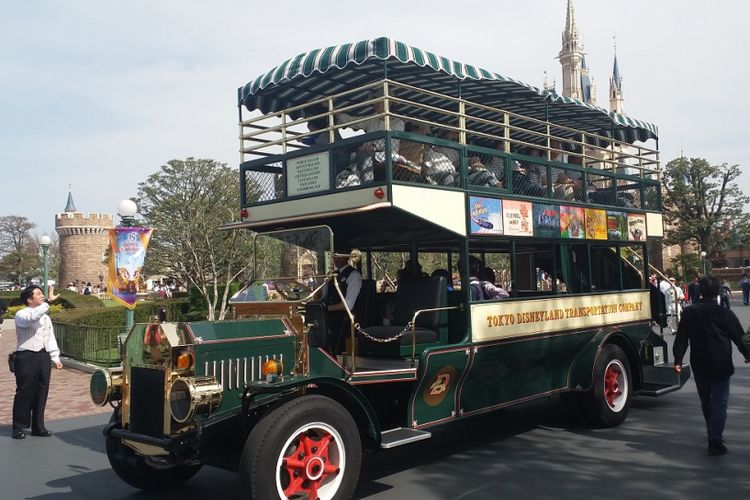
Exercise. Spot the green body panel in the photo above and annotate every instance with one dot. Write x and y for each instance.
(512, 370)
(235, 329)
(236, 363)
(629, 338)
(337, 389)
(322, 365)
(434, 398)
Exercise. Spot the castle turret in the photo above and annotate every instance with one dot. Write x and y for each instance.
(571, 56)
(616, 99)
(83, 242)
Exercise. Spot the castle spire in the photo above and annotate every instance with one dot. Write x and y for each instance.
(570, 19)
(616, 98)
(572, 59)
(70, 206)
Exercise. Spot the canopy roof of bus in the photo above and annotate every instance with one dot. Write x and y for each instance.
(336, 69)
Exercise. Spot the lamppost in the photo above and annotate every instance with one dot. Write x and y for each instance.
(127, 209)
(703, 259)
(45, 241)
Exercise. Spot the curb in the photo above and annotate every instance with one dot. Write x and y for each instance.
(78, 365)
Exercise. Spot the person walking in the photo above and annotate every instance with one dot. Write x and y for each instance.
(745, 287)
(725, 293)
(710, 330)
(694, 291)
(36, 346)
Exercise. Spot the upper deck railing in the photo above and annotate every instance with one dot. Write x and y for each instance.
(444, 141)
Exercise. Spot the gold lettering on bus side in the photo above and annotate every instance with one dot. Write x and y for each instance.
(495, 320)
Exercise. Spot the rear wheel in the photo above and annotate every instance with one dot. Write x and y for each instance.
(306, 449)
(134, 470)
(608, 402)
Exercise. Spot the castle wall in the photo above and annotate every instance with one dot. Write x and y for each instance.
(83, 242)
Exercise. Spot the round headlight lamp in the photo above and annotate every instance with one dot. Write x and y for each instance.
(192, 396)
(105, 386)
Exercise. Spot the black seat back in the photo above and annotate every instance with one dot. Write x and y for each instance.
(419, 293)
(364, 304)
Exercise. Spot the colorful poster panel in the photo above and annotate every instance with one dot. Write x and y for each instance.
(596, 224)
(546, 220)
(617, 226)
(517, 218)
(127, 252)
(572, 222)
(486, 215)
(637, 227)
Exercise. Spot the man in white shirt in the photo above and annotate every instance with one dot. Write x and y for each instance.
(36, 346)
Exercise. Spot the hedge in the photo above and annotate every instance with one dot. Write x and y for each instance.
(68, 300)
(176, 310)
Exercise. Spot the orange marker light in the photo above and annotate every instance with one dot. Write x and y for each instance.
(184, 361)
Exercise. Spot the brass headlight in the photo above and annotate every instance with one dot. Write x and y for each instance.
(105, 386)
(193, 396)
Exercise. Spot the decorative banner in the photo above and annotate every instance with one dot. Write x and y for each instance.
(486, 215)
(596, 224)
(517, 218)
(636, 227)
(546, 220)
(571, 222)
(617, 226)
(127, 251)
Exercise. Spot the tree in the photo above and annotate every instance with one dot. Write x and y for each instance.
(185, 202)
(18, 247)
(704, 204)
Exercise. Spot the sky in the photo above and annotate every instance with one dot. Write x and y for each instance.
(98, 95)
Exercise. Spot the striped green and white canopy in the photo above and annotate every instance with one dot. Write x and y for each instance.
(332, 70)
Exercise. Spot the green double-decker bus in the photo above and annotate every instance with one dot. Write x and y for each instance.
(497, 238)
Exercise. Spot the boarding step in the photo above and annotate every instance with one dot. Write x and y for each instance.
(655, 390)
(401, 436)
(663, 379)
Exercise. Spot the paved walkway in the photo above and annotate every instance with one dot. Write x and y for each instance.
(68, 394)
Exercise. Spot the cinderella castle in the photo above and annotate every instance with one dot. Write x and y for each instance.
(576, 79)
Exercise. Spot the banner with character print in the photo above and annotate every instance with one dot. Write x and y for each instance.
(127, 251)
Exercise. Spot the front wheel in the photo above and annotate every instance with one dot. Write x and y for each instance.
(608, 402)
(133, 469)
(308, 448)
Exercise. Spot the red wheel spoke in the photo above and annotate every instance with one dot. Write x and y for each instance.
(292, 464)
(330, 469)
(295, 486)
(312, 492)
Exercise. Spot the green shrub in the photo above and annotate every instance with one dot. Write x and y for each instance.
(111, 316)
(71, 300)
(12, 310)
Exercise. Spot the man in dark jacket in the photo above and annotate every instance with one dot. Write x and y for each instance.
(710, 330)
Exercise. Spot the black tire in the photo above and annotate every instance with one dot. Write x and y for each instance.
(307, 420)
(134, 470)
(608, 402)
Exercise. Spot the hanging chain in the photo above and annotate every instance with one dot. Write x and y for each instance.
(406, 330)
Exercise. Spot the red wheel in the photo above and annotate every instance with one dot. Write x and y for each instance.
(310, 463)
(616, 385)
(608, 402)
(308, 448)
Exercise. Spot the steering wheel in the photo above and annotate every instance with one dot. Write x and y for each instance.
(291, 289)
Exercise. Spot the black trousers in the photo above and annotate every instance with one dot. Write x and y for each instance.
(33, 370)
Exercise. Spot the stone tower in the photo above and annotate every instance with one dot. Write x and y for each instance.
(577, 82)
(616, 99)
(83, 243)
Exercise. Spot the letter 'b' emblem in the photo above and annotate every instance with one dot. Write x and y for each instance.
(439, 386)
